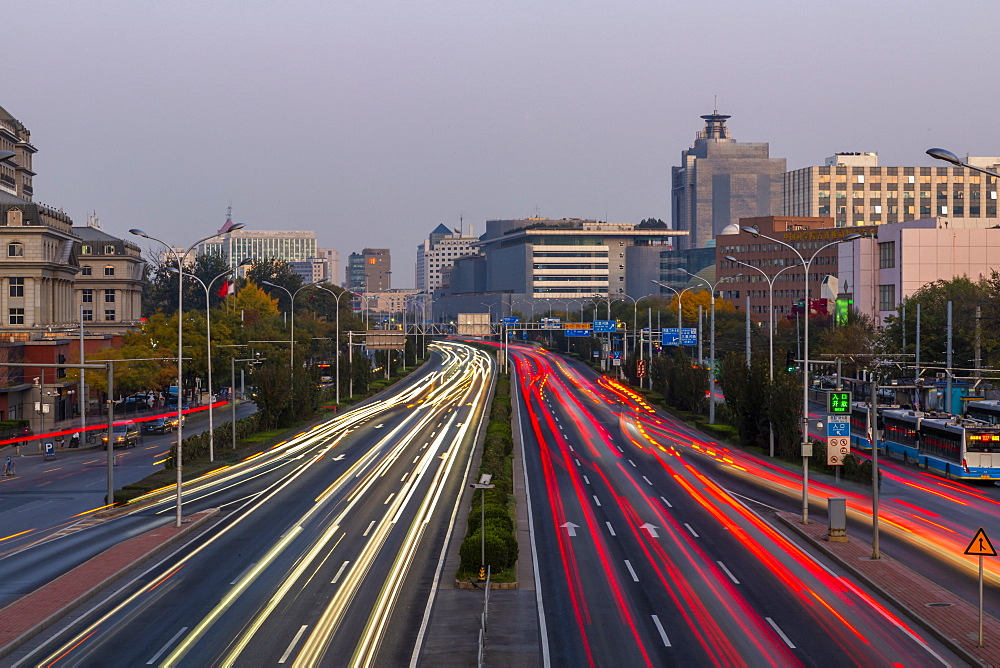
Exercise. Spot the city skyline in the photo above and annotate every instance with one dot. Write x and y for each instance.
(392, 119)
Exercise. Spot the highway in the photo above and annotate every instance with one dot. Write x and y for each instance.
(50, 497)
(324, 551)
(643, 559)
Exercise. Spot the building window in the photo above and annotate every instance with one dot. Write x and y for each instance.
(109, 315)
(88, 315)
(109, 249)
(88, 296)
(109, 296)
(16, 287)
(886, 297)
(15, 249)
(86, 270)
(86, 249)
(943, 210)
(16, 316)
(109, 270)
(887, 255)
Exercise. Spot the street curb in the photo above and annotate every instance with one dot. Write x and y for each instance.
(24, 606)
(794, 522)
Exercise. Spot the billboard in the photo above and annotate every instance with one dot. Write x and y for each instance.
(473, 324)
(385, 339)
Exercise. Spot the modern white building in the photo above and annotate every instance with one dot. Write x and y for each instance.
(287, 245)
(438, 252)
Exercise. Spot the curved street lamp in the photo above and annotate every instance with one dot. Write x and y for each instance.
(208, 345)
(755, 233)
(711, 370)
(181, 259)
(337, 297)
(291, 307)
(679, 295)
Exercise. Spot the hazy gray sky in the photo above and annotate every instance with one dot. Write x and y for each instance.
(373, 121)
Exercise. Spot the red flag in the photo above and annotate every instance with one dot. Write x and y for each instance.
(228, 288)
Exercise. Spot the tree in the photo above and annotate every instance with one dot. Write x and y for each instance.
(278, 272)
(160, 293)
(255, 305)
(850, 341)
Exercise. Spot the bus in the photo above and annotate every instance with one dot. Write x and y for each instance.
(859, 423)
(948, 445)
(987, 410)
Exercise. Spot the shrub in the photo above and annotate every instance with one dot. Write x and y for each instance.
(498, 553)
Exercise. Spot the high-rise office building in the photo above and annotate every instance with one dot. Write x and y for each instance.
(438, 252)
(287, 245)
(854, 190)
(369, 270)
(720, 181)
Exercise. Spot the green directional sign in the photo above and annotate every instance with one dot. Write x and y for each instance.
(838, 402)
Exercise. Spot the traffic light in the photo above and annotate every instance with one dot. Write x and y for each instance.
(790, 361)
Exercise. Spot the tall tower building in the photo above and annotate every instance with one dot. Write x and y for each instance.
(438, 252)
(721, 180)
(369, 270)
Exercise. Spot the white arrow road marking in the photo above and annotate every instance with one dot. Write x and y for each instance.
(651, 529)
(378, 426)
(338, 458)
(570, 528)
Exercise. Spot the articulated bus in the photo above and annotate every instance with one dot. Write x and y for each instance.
(859, 423)
(948, 445)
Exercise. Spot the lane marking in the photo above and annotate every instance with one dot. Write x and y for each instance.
(586, 479)
(647, 480)
(245, 571)
(291, 645)
(631, 462)
(417, 458)
(635, 577)
(365, 534)
(577, 461)
(389, 499)
(731, 576)
(669, 505)
(570, 448)
(620, 449)
(405, 476)
(780, 632)
(166, 647)
(693, 532)
(663, 634)
(611, 529)
(596, 500)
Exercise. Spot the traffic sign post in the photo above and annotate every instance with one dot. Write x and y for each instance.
(981, 546)
(688, 337)
(838, 402)
(640, 368)
(605, 326)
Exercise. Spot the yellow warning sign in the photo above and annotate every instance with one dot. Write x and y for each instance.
(981, 545)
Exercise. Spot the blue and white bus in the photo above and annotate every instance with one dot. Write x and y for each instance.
(948, 445)
(987, 410)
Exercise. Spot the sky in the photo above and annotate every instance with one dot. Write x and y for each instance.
(373, 121)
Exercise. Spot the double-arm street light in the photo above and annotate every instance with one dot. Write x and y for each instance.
(770, 326)
(208, 344)
(291, 307)
(337, 296)
(711, 370)
(806, 264)
(181, 259)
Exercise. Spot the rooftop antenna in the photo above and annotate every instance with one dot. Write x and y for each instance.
(715, 104)
(93, 220)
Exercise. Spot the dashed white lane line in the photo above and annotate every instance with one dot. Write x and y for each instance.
(596, 500)
(417, 458)
(570, 447)
(648, 482)
(340, 571)
(731, 576)
(635, 577)
(780, 633)
(291, 645)
(389, 499)
(620, 449)
(663, 634)
(245, 571)
(586, 479)
(611, 529)
(669, 505)
(693, 532)
(577, 461)
(368, 529)
(166, 647)
(631, 462)
(405, 476)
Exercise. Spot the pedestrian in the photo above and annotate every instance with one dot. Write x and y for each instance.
(61, 441)
(74, 441)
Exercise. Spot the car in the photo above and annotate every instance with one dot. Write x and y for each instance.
(157, 426)
(126, 435)
(171, 420)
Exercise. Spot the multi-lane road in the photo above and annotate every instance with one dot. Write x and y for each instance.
(644, 560)
(324, 551)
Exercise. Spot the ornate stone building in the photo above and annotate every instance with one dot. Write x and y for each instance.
(109, 285)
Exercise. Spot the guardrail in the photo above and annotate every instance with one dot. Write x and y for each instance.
(482, 621)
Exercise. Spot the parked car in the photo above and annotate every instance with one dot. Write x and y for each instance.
(126, 435)
(157, 426)
(132, 404)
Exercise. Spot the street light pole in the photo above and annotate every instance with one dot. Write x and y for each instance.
(291, 307)
(711, 371)
(679, 294)
(181, 259)
(337, 297)
(806, 264)
(770, 309)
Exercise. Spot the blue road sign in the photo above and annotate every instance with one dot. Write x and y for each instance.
(511, 320)
(551, 323)
(576, 332)
(689, 336)
(605, 326)
(615, 354)
(838, 428)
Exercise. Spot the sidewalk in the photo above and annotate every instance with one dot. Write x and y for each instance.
(944, 615)
(30, 615)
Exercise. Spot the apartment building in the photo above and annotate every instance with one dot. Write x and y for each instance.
(438, 252)
(109, 286)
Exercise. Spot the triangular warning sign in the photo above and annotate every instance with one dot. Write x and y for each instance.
(981, 545)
